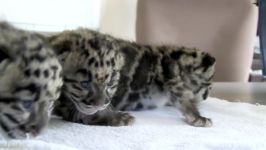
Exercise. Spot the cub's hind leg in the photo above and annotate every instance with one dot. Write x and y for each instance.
(185, 100)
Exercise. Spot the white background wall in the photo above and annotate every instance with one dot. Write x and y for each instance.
(115, 17)
(118, 18)
(51, 15)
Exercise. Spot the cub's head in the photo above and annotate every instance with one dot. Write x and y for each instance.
(29, 86)
(88, 71)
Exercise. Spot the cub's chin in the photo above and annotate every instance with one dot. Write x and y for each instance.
(89, 109)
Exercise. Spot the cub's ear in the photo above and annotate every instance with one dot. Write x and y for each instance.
(6, 31)
(5, 26)
(64, 41)
(60, 44)
(208, 60)
(4, 53)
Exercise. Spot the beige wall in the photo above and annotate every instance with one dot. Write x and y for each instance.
(118, 18)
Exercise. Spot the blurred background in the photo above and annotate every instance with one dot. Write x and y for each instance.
(115, 17)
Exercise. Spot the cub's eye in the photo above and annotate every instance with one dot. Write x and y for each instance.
(28, 104)
(85, 85)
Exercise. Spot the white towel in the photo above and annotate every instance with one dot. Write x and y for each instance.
(237, 126)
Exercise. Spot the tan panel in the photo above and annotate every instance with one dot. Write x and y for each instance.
(225, 28)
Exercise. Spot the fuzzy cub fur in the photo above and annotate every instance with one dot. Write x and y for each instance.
(30, 81)
(104, 75)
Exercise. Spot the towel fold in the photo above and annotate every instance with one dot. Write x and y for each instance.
(237, 126)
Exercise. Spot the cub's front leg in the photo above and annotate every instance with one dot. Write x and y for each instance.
(187, 102)
(106, 117)
(110, 117)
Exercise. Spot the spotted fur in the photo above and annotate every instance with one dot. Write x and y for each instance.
(128, 75)
(30, 81)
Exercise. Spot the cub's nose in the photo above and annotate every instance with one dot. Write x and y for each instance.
(101, 79)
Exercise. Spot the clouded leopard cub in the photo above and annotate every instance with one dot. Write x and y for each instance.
(102, 73)
(30, 81)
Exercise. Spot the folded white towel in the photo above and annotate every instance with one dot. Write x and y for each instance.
(237, 126)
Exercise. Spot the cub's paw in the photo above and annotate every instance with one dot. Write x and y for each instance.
(17, 134)
(122, 119)
(199, 121)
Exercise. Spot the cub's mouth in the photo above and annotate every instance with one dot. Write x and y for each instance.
(89, 109)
